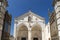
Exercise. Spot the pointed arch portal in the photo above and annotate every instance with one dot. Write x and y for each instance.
(36, 32)
(22, 32)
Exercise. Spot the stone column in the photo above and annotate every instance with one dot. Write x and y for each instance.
(29, 34)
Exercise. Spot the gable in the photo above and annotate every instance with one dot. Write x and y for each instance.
(30, 16)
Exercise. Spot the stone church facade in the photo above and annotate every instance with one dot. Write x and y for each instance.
(32, 27)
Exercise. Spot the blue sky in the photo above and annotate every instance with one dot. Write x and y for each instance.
(19, 7)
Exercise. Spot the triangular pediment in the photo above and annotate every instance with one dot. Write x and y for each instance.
(30, 13)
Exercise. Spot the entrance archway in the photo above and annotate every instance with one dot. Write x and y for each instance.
(22, 32)
(36, 32)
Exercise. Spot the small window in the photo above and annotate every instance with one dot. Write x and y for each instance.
(29, 18)
(23, 38)
(35, 39)
(0, 4)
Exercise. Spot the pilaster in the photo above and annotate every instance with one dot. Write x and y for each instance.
(29, 33)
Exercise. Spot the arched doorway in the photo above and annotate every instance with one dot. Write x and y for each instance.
(22, 32)
(36, 32)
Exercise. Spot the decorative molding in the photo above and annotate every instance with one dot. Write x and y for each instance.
(58, 18)
(27, 14)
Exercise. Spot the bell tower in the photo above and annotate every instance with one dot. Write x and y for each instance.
(56, 4)
(3, 5)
